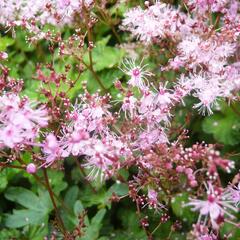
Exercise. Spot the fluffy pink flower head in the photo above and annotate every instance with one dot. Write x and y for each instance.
(152, 200)
(129, 105)
(232, 194)
(56, 12)
(103, 157)
(75, 142)
(215, 207)
(20, 120)
(52, 149)
(149, 137)
(137, 73)
(157, 22)
(207, 237)
(204, 5)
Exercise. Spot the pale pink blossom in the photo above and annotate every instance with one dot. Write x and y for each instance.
(52, 149)
(232, 194)
(3, 55)
(20, 120)
(56, 12)
(215, 207)
(31, 168)
(152, 200)
(137, 73)
(158, 21)
(150, 137)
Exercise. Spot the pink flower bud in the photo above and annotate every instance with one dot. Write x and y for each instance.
(190, 177)
(3, 55)
(31, 168)
(193, 183)
(188, 171)
(179, 169)
(168, 165)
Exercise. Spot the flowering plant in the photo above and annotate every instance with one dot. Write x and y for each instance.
(119, 119)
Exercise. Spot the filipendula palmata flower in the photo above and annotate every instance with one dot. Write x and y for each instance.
(215, 207)
(137, 73)
(20, 120)
(232, 194)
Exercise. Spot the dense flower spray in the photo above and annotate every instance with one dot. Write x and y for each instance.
(138, 131)
(20, 122)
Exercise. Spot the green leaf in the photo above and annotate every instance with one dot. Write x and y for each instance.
(23, 196)
(37, 208)
(120, 189)
(89, 198)
(119, 8)
(107, 77)
(21, 43)
(6, 42)
(3, 180)
(92, 232)
(21, 218)
(105, 56)
(56, 181)
(97, 219)
(78, 208)
(110, 76)
(228, 229)
(71, 196)
(224, 127)
(36, 232)
(9, 234)
(185, 213)
(69, 218)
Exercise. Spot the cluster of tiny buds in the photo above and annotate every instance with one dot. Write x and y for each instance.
(133, 193)
(141, 200)
(144, 222)
(189, 173)
(164, 218)
(212, 175)
(177, 225)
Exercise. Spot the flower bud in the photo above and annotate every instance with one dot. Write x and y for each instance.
(31, 168)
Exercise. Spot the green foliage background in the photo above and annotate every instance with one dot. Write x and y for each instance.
(26, 210)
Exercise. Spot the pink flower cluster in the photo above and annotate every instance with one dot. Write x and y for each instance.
(88, 134)
(137, 130)
(56, 12)
(218, 206)
(156, 22)
(20, 121)
(203, 52)
(203, 6)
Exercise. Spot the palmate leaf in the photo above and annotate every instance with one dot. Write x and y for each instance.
(228, 230)
(36, 210)
(3, 180)
(56, 179)
(10, 234)
(185, 213)
(107, 77)
(225, 127)
(5, 42)
(24, 197)
(20, 218)
(101, 198)
(105, 57)
(70, 218)
(92, 231)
